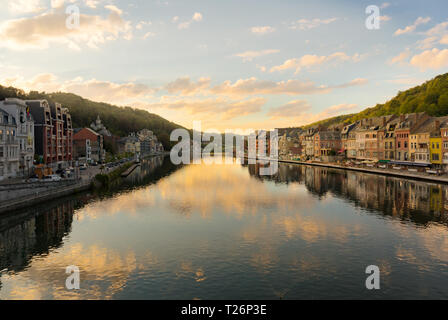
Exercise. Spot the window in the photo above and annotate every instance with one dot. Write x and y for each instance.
(1, 152)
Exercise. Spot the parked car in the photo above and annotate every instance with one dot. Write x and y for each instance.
(83, 167)
(52, 178)
(33, 178)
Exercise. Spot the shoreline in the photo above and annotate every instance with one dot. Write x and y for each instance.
(40, 197)
(399, 173)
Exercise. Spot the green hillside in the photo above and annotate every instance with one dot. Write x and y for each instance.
(119, 120)
(430, 97)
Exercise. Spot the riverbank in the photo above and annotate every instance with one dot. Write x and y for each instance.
(386, 172)
(37, 197)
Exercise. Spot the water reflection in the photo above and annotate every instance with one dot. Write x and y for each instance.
(419, 202)
(226, 232)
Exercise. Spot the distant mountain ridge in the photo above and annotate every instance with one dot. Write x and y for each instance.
(119, 121)
(430, 97)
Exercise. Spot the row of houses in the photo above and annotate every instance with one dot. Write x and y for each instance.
(413, 139)
(33, 130)
(39, 134)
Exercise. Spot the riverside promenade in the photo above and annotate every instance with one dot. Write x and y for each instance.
(40, 192)
(387, 172)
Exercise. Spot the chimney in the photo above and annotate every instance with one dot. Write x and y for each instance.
(402, 117)
(384, 121)
(437, 125)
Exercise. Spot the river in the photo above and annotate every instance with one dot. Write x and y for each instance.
(225, 232)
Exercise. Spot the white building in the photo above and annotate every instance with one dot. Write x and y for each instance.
(24, 133)
(9, 147)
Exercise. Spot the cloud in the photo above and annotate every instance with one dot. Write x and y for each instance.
(25, 6)
(197, 17)
(353, 83)
(142, 24)
(40, 31)
(385, 5)
(411, 28)
(58, 3)
(307, 24)
(91, 3)
(186, 86)
(262, 30)
(148, 35)
(250, 55)
(309, 61)
(97, 90)
(401, 58)
(431, 59)
(220, 108)
(253, 86)
(436, 35)
(294, 108)
(385, 18)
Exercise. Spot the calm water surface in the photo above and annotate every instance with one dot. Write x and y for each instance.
(224, 232)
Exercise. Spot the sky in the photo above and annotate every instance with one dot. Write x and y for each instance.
(234, 64)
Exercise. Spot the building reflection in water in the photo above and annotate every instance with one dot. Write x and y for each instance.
(416, 201)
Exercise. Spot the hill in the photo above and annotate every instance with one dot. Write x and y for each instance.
(119, 120)
(430, 97)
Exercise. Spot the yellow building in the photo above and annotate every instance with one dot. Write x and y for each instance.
(435, 149)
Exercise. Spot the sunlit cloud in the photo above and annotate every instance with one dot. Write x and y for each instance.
(307, 24)
(39, 32)
(262, 30)
(309, 61)
(289, 87)
(431, 59)
(187, 87)
(411, 28)
(25, 6)
(436, 35)
(97, 90)
(197, 17)
(250, 55)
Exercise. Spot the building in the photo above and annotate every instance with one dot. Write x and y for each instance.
(132, 144)
(407, 123)
(389, 140)
(100, 128)
(351, 141)
(345, 138)
(435, 144)
(88, 145)
(382, 135)
(24, 133)
(9, 146)
(309, 143)
(420, 142)
(327, 143)
(444, 135)
(53, 133)
(148, 141)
